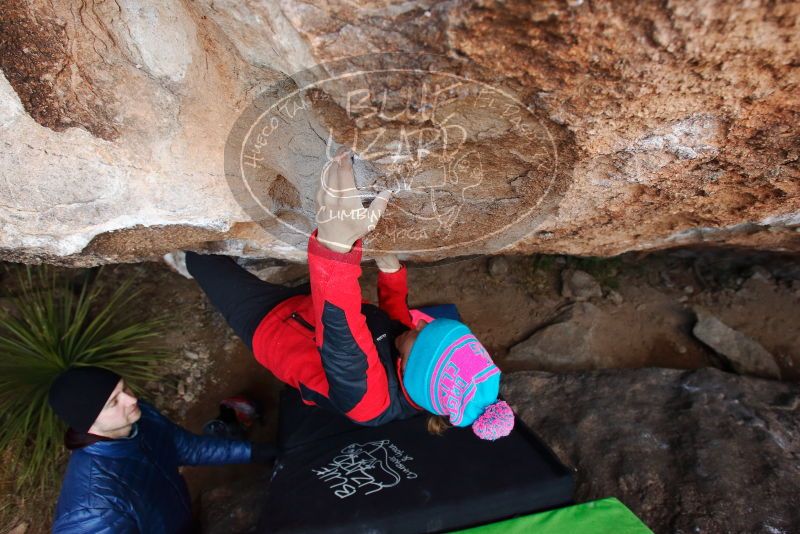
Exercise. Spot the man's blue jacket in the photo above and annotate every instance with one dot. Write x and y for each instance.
(132, 485)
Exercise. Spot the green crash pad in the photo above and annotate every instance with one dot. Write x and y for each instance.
(606, 516)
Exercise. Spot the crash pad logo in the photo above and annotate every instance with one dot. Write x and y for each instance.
(365, 468)
(467, 161)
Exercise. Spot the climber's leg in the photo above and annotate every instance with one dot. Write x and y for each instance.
(242, 298)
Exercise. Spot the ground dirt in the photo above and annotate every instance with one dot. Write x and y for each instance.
(643, 318)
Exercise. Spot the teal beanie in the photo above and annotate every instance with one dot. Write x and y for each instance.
(450, 373)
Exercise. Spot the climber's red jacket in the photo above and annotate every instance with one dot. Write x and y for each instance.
(336, 348)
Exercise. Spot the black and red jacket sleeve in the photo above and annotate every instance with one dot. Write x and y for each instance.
(357, 381)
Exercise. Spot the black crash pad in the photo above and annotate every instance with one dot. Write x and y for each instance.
(335, 476)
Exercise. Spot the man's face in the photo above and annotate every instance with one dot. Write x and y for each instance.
(119, 413)
(406, 340)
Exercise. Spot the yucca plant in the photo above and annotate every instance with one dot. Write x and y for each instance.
(56, 326)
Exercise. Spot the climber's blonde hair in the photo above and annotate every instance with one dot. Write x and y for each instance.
(437, 424)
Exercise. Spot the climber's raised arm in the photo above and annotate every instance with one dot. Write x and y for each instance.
(356, 378)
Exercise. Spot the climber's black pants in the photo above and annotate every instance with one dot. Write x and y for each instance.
(241, 297)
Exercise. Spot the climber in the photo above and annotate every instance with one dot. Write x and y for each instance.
(122, 475)
(372, 364)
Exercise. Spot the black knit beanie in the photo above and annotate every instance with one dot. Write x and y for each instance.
(79, 394)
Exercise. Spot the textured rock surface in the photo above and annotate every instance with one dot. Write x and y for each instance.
(579, 285)
(567, 344)
(635, 126)
(745, 355)
(687, 451)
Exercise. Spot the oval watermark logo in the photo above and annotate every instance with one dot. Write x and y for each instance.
(467, 162)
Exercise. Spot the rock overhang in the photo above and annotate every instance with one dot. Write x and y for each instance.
(650, 126)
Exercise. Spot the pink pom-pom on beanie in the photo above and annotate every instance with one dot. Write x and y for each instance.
(497, 421)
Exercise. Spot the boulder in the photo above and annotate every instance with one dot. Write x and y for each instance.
(133, 129)
(761, 274)
(498, 267)
(615, 297)
(687, 451)
(745, 355)
(579, 285)
(563, 345)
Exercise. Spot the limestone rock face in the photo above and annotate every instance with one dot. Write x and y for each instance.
(131, 129)
(687, 451)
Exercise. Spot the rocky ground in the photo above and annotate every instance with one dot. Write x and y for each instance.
(560, 313)
(687, 451)
(543, 313)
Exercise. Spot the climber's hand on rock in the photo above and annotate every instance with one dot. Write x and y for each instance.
(387, 263)
(341, 218)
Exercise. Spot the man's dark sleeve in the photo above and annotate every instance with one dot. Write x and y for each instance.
(206, 450)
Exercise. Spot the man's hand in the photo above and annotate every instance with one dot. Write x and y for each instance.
(341, 218)
(388, 263)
